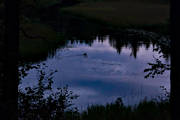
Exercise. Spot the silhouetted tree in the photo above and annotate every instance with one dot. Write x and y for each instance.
(175, 60)
(9, 71)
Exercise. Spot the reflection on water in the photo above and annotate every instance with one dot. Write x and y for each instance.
(100, 64)
(104, 70)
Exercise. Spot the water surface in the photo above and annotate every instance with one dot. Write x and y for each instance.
(104, 68)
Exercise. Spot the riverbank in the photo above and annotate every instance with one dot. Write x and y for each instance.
(125, 14)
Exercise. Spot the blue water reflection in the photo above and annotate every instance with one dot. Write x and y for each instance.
(98, 74)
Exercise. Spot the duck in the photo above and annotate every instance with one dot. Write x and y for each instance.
(85, 54)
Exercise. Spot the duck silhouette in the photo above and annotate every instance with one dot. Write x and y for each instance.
(85, 54)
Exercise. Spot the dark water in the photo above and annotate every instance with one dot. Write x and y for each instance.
(101, 67)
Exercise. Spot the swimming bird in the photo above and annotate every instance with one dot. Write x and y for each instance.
(85, 54)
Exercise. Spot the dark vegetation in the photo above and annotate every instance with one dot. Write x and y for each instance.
(157, 68)
(146, 110)
(41, 24)
(43, 102)
(37, 39)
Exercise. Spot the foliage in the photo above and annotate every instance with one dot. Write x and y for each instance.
(163, 49)
(33, 105)
(157, 68)
(41, 102)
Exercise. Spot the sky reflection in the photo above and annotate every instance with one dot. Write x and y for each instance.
(103, 75)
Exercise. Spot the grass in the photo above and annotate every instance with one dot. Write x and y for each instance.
(146, 110)
(121, 13)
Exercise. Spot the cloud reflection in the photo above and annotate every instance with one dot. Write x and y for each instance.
(104, 74)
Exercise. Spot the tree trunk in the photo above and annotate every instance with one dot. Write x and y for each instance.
(9, 62)
(175, 59)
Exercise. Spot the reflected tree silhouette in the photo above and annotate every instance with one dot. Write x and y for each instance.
(77, 30)
(9, 60)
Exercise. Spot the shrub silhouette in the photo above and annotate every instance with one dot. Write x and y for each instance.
(36, 104)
